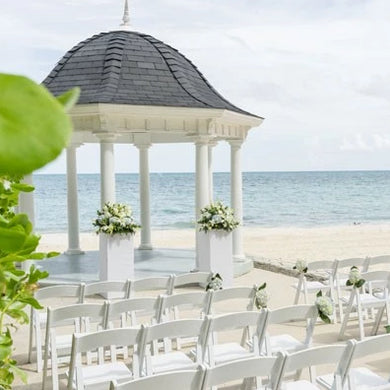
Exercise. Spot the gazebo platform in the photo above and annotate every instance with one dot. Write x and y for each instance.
(157, 262)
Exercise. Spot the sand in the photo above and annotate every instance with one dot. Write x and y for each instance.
(276, 245)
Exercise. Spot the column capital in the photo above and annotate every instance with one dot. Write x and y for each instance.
(203, 140)
(74, 145)
(106, 137)
(143, 146)
(236, 143)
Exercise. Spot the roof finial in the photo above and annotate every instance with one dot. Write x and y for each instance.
(126, 17)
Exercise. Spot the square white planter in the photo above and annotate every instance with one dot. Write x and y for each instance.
(215, 254)
(116, 257)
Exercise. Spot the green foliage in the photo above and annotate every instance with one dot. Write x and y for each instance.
(34, 128)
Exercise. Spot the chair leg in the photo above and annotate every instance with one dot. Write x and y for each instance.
(38, 346)
(298, 292)
(378, 319)
(30, 339)
(346, 317)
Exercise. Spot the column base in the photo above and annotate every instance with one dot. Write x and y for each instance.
(72, 252)
(239, 258)
(145, 247)
(242, 267)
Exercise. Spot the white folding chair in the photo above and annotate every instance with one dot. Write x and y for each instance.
(327, 270)
(383, 261)
(239, 298)
(360, 300)
(99, 375)
(152, 362)
(338, 355)
(131, 312)
(153, 286)
(65, 294)
(191, 279)
(359, 378)
(108, 289)
(262, 368)
(61, 324)
(289, 316)
(180, 380)
(341, 278)
(218, 353)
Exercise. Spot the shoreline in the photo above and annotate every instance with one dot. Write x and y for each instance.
(278, 246)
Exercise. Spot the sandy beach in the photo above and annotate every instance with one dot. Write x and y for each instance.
(276, 245)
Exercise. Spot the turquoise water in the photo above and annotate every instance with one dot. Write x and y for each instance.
(271, 199)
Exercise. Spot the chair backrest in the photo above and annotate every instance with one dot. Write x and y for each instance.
(109, 286)
(384, 259)
(199, 300)
(172, 330)
(372, 345)
(339, 354)
(95, 312)
(242, 296)
(264, 366)
(137, 307)
(61, 291)
(161, 283)
(199, 279)
(239, 320)
(376, 276)
(321, 265)
(84, 343)
(184, 379)
(360, 262)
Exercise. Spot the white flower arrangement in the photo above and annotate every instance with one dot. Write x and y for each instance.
(217, 216)
(215, 282)
(115, 218)
(355, 278)
(325, 307)
(301, 266)
(262, 296)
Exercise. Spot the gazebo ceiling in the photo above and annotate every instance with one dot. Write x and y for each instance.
(131, 83)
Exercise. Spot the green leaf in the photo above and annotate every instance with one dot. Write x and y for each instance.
(22, 187)
(360, 283)
(52, 254)
(349, 283)
(319, 294)
(69, 98)
(20, 373)
(324, 318)
(5, 351)
(34, 127)
(12, 239)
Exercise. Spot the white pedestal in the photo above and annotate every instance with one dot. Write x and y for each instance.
(116, 257)
(215, 254)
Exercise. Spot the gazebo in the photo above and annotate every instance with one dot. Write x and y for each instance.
(138, 90)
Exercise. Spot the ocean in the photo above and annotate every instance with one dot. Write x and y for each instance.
(270, 199)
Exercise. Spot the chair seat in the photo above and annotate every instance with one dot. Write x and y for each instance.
(314, 285)
(299, 385)
(367, 300)
(103, 374)
(229, 351)
(364, 378)
(286, 343)
(171, 361)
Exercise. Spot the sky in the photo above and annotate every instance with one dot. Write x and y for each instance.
(317, 70)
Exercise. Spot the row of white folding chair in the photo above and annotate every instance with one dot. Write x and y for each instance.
(207, 332)
(343, 377)
(79, 293)
(360, 300)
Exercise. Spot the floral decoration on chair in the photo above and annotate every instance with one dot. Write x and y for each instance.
(301, 266)
(355, 278)
(262, 296)
(215, 282)
(325, 307)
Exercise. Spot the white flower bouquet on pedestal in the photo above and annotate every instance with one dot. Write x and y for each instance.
(215, 250)
(116, 226)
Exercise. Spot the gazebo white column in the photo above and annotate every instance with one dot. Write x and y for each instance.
(107, 168)
(202, 181)
(236, 196)
(72, 197)
(210, 164)
(26, 206)
(144, 192)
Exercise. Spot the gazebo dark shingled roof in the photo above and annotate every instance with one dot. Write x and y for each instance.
(126, 67)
